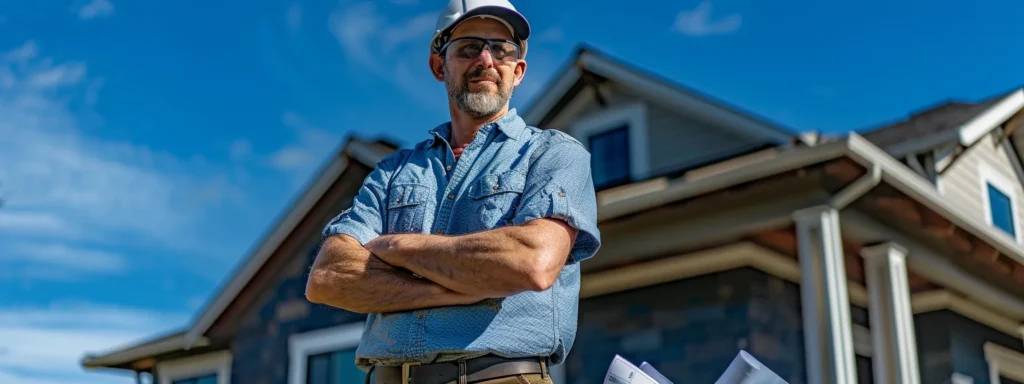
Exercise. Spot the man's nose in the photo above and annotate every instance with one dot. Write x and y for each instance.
(486, 60)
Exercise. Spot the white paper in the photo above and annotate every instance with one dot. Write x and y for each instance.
(745, 369)
(653, 373)
(621, 371)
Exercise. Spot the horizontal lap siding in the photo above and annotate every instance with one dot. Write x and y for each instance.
(676, 141)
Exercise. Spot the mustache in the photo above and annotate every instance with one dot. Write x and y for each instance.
(484, 74)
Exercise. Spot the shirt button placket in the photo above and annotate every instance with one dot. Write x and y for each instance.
(465, 160)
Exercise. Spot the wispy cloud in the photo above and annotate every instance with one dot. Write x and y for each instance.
(43, 345)
(313, 146)
(62, 187)
(60, 261)
(96, 8)
(699, 22)
(240, 149)
(386, 48)
(293, 17)
(551, 35)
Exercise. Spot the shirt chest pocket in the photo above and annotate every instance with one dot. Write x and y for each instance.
(495, 198)
(407, 207)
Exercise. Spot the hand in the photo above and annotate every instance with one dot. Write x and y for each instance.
(384, 247)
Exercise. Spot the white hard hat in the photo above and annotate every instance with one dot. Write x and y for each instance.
(458, 11)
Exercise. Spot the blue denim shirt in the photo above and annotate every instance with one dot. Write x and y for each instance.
(508, 175)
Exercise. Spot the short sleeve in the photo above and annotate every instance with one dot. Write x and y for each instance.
(560, 186)
(363, 220)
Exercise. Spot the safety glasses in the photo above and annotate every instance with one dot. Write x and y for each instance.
(471, 47)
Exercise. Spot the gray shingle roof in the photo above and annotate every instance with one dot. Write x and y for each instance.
(935, 120)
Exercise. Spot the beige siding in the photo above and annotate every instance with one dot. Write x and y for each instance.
(674, 140)
(963, 183)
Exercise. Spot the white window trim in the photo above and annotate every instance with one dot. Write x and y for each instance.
(189, 367)
(303, 345)
(633, 114)
(1003, 362)
(989, 175)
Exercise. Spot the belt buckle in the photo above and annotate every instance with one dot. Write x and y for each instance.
(406, 368)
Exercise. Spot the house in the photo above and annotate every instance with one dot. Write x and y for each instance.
(893, 257)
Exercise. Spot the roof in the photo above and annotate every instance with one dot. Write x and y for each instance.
(950, 121)
(367, 153)
(943, 118)
(590, 61)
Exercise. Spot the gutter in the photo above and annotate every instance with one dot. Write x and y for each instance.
(896, 175)
(857, 188)
(881, 167)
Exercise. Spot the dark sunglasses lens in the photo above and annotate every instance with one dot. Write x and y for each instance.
(468, 49)
(503, 50)
(471, 49)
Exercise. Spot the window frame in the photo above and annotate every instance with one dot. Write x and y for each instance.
(194, 366)
(634, 116)
(303, 345)
(1003, 361)
(989, 176)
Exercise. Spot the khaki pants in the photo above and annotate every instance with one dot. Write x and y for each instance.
(517, 379)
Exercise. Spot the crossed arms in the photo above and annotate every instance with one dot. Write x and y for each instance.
(362, 270)
(455, 269)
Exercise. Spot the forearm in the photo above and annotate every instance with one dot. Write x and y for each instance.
(495, 263)
(347, 276)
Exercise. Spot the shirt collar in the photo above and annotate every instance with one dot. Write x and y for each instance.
(511, 125)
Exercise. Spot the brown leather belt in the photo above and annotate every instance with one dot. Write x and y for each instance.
(477, 369)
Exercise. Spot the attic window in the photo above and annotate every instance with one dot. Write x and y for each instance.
(999, 199)
(1001, 207)
(616, 138)
(610, 157)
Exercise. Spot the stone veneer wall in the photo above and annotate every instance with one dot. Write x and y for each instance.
(690, 330)
(967, 339)
(261, 347)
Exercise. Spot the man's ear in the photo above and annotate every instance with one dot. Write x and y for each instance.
(437, 67)
(520, 72)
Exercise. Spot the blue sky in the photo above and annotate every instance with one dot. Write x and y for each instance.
(145, 146)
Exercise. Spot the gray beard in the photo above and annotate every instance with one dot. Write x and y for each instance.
(477, 105)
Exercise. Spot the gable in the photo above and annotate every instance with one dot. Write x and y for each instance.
(966, 181)
(590, 67)
(668, 128)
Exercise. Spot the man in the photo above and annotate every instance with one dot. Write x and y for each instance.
(464, 250)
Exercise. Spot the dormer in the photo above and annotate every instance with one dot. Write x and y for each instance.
(638, 126)
(971, 152)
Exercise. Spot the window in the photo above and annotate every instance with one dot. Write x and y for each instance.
(208, 379)
(617, 140)
(1001, 208)
(211, 368)
(336, 367)
(1005, 366)
(610, 160)
(999, 199)
(325, 356)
